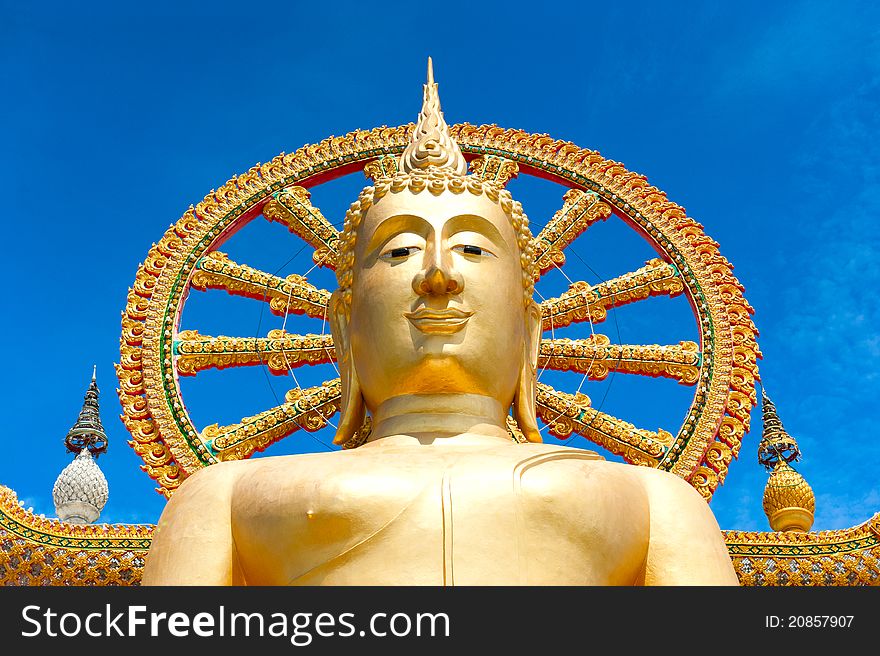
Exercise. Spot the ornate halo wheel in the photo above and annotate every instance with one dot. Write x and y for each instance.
(722, 369)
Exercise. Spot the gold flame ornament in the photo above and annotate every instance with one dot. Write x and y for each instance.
(431, 143)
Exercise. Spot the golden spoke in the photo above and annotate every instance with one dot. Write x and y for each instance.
(579, 211)
(584, 302)
(293, 208)
(280, 350)
(596, 356)
(293, 294)
(566, 413)
(309, 409)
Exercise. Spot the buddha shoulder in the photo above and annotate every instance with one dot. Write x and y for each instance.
(189, 545)
(214, 483)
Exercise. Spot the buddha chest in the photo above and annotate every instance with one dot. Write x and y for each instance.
(422, 515)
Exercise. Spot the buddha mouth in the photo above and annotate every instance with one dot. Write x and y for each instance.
(438, 322)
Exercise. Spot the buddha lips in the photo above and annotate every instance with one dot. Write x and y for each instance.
(438, 322)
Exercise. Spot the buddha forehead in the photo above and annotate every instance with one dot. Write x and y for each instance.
(435, 216)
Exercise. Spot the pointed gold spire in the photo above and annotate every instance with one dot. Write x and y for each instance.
(789, 502)
(431, 143)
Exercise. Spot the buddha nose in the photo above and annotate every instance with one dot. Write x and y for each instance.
(438, 280)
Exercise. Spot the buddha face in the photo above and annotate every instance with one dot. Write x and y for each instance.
(437, 298)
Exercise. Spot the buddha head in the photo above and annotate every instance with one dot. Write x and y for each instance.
(436, 275)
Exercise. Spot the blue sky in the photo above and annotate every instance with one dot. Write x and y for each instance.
(761, 119)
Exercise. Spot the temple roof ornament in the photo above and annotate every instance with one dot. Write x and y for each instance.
(789, 502)
(775, 444)
(81, 491)
(88, 432)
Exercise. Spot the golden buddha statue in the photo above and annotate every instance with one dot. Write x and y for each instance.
(437, 338)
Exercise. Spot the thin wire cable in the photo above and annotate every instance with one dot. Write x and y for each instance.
(613, 372)
(264, 368)
(284, 328)
(586, 372)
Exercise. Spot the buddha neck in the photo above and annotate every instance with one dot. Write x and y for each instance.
(441, 419)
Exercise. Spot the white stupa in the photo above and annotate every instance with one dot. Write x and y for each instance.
(81, 490)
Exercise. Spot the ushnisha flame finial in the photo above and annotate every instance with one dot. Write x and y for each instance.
(431, 143)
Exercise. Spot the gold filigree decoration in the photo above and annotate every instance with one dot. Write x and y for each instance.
(291, 295)
(361, 436)
(35, 550)
(494, 169)
(515, 431)
(384, 167)
(845, 557)
(585, 302)
(293, 208)
(141, 423)
(566, 413)
(308, 409)
(280, 351)
(579, 211)
(596, 357)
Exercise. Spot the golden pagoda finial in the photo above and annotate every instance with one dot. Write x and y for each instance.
(789, 502)
(431, 143)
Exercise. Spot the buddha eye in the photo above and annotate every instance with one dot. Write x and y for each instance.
(400, 252)
(470, 249)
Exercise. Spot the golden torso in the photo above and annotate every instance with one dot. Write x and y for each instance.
(466, 510)
(436, 337)
(477, 514)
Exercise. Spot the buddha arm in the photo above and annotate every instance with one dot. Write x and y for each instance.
(686, 546)
(193, 544)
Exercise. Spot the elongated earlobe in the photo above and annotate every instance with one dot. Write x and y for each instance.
(524, 410)
(352, 410)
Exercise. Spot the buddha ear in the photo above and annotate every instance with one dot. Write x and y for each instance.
(351, 413)
(524, 402)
